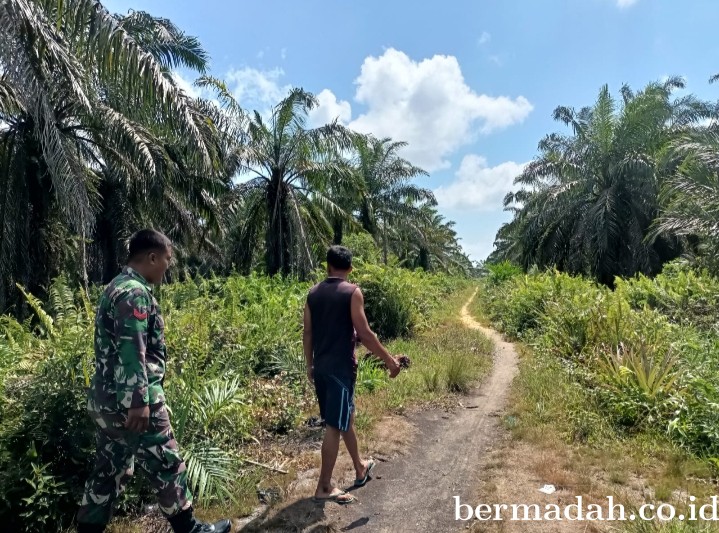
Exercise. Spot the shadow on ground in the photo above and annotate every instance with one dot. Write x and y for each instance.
(303, 515)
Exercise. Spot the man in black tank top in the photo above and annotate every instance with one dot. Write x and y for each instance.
(334, 320)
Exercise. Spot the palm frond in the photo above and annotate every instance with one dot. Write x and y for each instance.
(211, 472)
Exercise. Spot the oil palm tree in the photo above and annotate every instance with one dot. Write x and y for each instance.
(430, 242)
(589, 199)
(387, 195)
(690, 196)
(286, 207)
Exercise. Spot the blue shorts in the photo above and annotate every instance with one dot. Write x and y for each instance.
(335, 395)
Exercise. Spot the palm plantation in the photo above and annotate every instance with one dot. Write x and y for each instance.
(86, 158)
(97, 139)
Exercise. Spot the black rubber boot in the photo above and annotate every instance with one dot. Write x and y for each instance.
(90, 528)
(221, 526)
(185, 522)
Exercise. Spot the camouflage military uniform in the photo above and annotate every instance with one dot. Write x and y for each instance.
(129, 372)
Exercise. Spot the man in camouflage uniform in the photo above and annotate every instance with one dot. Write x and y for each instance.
(127, 402)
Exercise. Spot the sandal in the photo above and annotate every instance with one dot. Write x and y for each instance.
(362, 481)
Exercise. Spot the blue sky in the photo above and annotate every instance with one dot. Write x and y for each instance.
(470, 84)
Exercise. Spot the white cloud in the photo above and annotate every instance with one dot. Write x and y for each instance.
(330, 109)
(626, 3)
(283, 53)
(479, 186)
(429, 105)
(485, 38)
(257, 89)
(262, 89)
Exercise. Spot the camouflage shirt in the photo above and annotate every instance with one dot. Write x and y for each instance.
(129, 345)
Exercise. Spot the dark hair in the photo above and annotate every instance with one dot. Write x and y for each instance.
(339, 257)
(147, 240)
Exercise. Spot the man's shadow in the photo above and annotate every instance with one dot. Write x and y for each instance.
(297, 516)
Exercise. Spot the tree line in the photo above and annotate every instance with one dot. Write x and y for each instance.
(635, 184)
(98, 139)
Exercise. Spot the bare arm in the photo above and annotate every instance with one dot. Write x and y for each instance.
(307, 342)
(367, 336)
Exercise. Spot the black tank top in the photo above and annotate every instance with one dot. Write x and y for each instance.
(333, 335)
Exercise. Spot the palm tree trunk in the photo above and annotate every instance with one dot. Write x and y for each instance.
(384, 243)
(303, 236)
(338, 230)
(366, 220)
(273, 247)
(276, 229)
(106, 237)
(287, 246)
(38, 275)
(424, 258)
(85, 282)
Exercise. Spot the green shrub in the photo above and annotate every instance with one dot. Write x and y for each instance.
(683, 295)
(363, 247)
(42, 511)
(695, 425)
(569, 323)
(397, 301)
(518, 305)
(44, 422)
(370, 374)
(240, 324)
(499, 273)
(388, 301)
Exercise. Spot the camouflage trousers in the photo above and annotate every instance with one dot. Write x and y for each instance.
(117, 450)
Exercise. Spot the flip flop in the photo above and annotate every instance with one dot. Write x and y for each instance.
(346, 499)
(370, 465)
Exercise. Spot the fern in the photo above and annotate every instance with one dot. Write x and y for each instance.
(47, 326)
(13, 332)
(62, 301)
